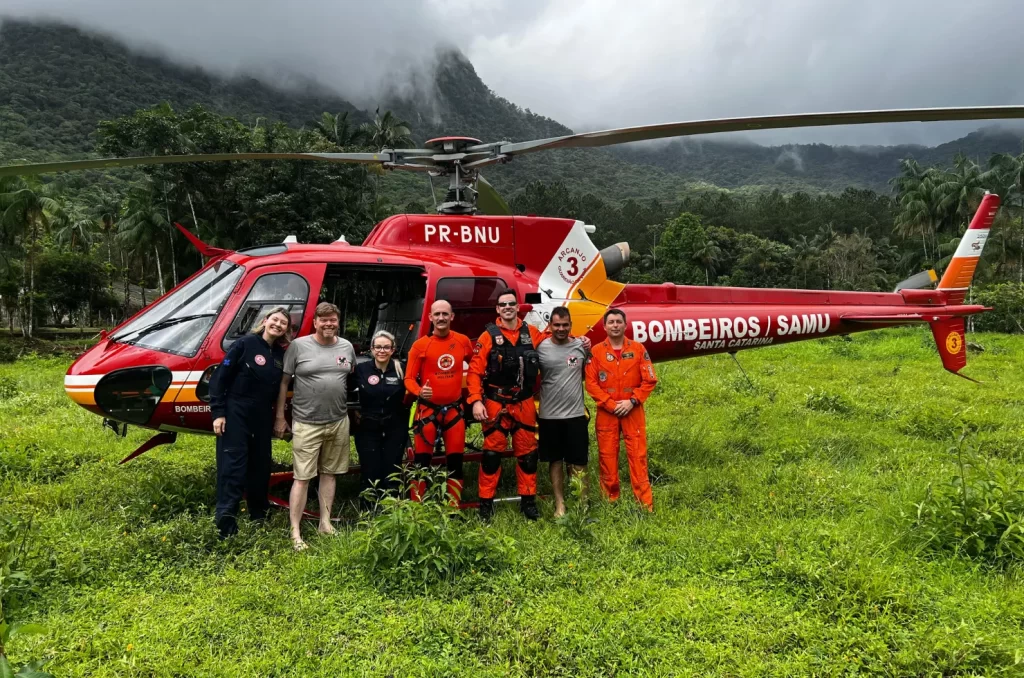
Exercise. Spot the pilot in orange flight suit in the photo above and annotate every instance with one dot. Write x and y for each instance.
(434, 375)
(503, 376)
(620, 380)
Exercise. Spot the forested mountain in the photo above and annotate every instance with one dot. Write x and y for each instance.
(57, 83)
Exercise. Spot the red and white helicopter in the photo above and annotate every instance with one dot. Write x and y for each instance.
(153, 370)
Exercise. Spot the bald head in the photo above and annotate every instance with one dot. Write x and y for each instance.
(441, 316)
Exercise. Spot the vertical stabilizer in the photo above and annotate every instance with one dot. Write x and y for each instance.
(958, 275)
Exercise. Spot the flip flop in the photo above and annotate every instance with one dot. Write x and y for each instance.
(299, 545)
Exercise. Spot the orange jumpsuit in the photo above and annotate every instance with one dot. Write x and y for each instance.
(520, 416)
(611, 378)
(439, 362)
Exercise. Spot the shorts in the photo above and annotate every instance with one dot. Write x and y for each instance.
(564, 439)
(319, 448)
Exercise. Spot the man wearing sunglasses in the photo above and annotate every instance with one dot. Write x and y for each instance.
(436, 366)
(502, 379)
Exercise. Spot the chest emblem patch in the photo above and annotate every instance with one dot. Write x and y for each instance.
(603, 376)
(609, 357)
(446, 362)
(260, 360)
(573, 361)
(628, 356)
(373, 380)
(499, 340)
(342, 360)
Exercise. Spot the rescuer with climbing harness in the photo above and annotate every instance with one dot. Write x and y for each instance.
(434, 375)
(502, 379)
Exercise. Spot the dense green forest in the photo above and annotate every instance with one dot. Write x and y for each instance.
(75, 246)
(57, 83)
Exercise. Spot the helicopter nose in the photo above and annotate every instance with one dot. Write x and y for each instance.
(132, 394)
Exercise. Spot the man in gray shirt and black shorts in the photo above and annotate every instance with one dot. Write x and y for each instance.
(320, 364)
(562, 420)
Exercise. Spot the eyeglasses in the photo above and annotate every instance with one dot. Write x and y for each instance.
(383, 348)
(507, 304)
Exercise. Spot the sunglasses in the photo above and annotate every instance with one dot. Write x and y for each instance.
(383, 348)
(507, 304)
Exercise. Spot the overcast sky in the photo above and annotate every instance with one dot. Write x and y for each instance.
(603, 63)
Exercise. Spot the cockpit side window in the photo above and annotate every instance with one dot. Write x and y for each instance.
(473, 301)
(180, 321)
(274, 289)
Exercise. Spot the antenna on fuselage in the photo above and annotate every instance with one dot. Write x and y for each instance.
(732, 354)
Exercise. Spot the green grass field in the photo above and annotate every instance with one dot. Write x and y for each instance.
(784, 541)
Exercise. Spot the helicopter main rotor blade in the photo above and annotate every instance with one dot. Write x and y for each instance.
(625, 135)
(488, 200)
(382, 158)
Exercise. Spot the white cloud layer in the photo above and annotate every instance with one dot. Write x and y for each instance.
(602, 63)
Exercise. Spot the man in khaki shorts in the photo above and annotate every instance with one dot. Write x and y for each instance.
(320, 364)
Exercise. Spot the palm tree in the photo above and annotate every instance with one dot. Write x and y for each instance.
(805, 255)
(143, 225)
(1006, 177)
(387, 131)
(707, 253)
(338, 129)
(107, 210)
(917, 200)
(26, 206)
(73, 227)
(961, 191)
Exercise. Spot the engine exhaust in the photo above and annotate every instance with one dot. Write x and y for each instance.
(615, 257)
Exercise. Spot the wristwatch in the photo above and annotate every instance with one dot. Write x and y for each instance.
(634, 401)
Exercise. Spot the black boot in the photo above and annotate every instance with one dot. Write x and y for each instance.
(227, 526)
(486, 509)
(528, 506)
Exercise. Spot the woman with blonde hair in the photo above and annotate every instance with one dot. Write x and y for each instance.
(383, 433)
(242, 395)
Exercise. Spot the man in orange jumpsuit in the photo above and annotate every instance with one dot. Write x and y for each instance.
(620, 377)
(434, 375)
(502, 380)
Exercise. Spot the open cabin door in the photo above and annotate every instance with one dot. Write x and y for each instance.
(374, 298)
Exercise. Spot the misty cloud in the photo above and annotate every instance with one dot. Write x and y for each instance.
(607, 63)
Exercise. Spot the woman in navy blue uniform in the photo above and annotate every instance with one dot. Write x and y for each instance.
(242, 395)
(383, 431)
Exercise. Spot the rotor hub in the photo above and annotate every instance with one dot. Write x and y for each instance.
(451, 144)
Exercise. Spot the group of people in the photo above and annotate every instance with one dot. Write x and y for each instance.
(509, 367)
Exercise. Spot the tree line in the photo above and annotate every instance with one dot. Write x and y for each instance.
(86, 249)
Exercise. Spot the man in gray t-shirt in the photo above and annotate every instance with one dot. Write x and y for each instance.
(320, 365)
(319, 394)
(562, 419)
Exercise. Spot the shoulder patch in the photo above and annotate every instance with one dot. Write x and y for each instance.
(478, 347)
(647, 356)
(226, 361)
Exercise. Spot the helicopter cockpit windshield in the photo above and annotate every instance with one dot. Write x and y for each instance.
(179, 322)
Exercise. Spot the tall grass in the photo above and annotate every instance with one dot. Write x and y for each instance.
(785, 541)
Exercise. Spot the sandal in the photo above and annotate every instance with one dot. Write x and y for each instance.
(299, 545)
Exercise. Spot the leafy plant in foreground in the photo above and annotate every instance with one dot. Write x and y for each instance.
(981, 516)
(821, 400)
(578, 521)
(414, 545)
(15, 578)
(8, 388)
